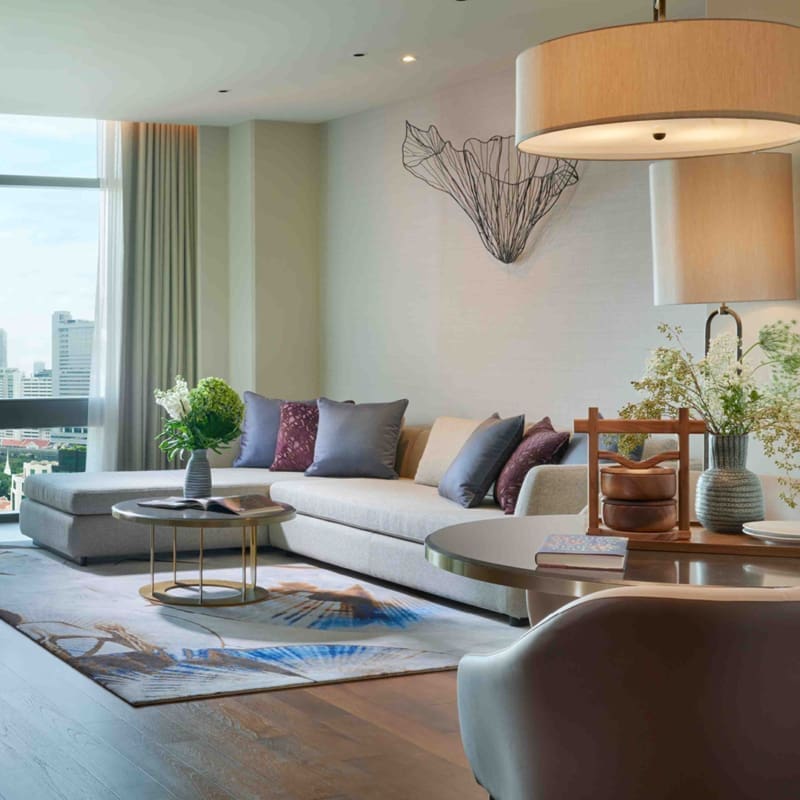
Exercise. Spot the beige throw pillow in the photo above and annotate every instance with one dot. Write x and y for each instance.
(448, 435)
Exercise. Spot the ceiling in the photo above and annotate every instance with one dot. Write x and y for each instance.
(165, 60)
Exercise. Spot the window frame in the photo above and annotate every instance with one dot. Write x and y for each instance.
(49, 412)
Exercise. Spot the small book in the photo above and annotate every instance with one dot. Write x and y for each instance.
(242, 505)
(583, 552)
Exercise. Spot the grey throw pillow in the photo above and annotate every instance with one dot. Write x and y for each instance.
(480, 460)
(262, 419)
(357, 440)
(577, 450)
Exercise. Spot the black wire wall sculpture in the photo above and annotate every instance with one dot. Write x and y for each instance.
(504, 191)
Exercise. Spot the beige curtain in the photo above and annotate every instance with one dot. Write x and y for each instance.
(159, 320)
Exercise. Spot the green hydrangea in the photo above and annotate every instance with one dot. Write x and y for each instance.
(208, 418)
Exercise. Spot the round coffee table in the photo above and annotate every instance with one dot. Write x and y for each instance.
(502, 551)
(244, 592)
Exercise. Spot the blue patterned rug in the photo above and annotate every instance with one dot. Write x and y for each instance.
(317, 626)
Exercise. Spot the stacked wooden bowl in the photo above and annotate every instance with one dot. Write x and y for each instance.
(639, 500)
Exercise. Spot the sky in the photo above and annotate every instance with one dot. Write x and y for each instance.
(48, 237)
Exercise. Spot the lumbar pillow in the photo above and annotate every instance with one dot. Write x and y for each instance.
(448, 435)
(294, 450)
(480, 460)
(542, 444)
(357, 440)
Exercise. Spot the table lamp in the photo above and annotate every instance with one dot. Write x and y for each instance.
(723, 231)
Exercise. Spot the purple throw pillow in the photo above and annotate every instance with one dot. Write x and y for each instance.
(540, 445)
(297, 435)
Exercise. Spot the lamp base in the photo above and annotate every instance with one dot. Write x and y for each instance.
(724, 310)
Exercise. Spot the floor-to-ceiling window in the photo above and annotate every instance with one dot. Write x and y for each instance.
(48, 265)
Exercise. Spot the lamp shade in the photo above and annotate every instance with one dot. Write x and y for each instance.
(723, 229)
(665, 89)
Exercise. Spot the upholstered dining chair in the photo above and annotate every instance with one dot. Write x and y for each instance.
(642, 693)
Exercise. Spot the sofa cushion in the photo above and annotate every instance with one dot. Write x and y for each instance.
(448, 435)
(413, 440)
(480, 460)
(399, 508)
(86, 493)
(262, 417)
(357, 440)
(540, 445)
(294, 450)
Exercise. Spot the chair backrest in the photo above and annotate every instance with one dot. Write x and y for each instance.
(634, 694)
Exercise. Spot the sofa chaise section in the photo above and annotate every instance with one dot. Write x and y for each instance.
(70, 513)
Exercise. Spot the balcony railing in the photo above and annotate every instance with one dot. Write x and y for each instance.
(39, 435)
(44, 412)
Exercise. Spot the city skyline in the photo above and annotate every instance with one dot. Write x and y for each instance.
(46, 365)
(69, 376)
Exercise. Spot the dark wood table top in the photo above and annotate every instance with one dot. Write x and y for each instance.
(131, 511)
(502, 551)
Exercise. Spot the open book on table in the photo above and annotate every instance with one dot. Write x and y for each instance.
(242, 505)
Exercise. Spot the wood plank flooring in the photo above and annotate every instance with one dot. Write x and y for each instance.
(63, 737)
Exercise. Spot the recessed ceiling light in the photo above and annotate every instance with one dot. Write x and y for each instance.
(223, 91)
(359, 55)
(409, 59)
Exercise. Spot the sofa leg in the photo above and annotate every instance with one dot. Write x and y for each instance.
(82, 561)
(517, 622)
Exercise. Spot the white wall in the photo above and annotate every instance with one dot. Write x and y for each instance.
(414, 306)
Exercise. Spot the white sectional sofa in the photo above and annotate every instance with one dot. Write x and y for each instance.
(375, 527)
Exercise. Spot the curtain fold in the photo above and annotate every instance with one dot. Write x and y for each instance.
(156, 318)
(159, 321)
(102, 450)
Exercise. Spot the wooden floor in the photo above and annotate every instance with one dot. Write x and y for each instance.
(62, 736)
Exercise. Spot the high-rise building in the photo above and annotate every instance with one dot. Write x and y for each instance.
(40, 385)
(39, 368)
(10, 383)
(3, 349)
(72, 355)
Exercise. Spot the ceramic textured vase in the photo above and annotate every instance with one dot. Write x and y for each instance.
(197, 481)
(728, 494)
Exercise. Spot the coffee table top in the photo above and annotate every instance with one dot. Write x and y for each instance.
(502, 551)
(131, 511)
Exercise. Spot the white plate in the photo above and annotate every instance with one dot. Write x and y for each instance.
(770, 539)
(784, 529)
(790, 538)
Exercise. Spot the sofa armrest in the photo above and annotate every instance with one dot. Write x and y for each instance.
(553, 489)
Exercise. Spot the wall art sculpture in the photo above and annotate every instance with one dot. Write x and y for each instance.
(503, 191)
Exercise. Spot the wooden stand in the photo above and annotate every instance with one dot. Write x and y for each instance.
(594, 426)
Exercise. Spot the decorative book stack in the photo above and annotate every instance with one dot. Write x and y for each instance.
(640, 499)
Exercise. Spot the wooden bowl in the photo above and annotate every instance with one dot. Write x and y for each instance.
(621, 483)
(655, 516)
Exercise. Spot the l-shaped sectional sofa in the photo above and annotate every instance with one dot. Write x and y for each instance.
(371, 526)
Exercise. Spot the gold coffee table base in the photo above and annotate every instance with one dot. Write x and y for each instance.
(159, 593)
(242, 592)
(246, 591)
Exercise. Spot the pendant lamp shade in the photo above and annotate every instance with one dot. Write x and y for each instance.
(723, 229)
(666, 89)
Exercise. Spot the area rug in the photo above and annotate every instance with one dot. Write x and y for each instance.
(317, 626)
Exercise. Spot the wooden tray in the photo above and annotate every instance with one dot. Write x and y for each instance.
(703, 541)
